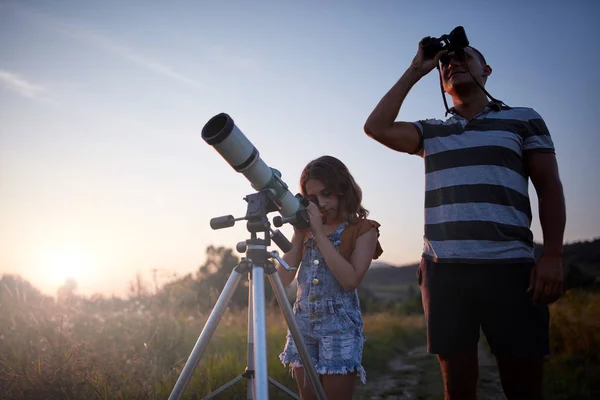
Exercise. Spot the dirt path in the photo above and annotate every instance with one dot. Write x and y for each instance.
(416, 375)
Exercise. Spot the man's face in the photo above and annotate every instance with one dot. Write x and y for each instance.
(455, 73)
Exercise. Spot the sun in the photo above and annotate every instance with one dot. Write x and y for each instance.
(63, 264)
(65, 261)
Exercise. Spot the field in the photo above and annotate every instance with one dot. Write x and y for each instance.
(87, 350)
(134, 349)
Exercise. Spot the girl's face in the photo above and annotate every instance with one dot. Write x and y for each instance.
(327, 201)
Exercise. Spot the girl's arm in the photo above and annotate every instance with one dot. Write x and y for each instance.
(348, 274)
(292, 258)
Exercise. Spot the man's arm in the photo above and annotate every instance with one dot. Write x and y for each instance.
(381, 125)
(543, 170)
(547, 277)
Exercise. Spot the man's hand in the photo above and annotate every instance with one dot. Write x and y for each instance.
(546, 280)
(422, 65)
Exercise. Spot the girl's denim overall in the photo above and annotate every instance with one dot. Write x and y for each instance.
(329, 318)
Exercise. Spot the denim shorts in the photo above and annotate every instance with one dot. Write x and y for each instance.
(333, 337)
(459, 300)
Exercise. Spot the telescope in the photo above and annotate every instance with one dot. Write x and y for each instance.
(229, 141)
(271, 194)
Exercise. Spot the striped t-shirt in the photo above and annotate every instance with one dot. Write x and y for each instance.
(477, 207)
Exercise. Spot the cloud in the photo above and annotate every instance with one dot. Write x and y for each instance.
(106, 44)
(21, 86)
(103, 42)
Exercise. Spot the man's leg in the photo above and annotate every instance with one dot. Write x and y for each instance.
(518, 332)
(452, 324)
(460, 372)
(521, 378)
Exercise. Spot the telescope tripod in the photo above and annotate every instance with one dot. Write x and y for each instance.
(256, 264)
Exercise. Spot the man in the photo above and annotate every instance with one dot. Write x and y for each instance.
(478, 269)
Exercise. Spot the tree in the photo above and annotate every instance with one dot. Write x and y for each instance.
(138, 289)
(214, 273)
(66, 293)
(13, 288)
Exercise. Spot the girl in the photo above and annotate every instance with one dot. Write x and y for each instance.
(334, 255)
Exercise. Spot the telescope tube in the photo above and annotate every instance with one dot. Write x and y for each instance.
(229, 141)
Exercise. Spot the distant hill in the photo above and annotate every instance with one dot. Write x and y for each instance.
(382, 274)
(585, 252)
(390, 283)
(581, 263)
(581, 267)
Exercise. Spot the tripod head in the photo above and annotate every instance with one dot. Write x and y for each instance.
(259, 205)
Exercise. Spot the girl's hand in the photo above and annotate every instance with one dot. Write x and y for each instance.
(314, 217)
(298, 236)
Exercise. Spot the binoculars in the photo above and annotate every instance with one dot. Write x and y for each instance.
(455, 41)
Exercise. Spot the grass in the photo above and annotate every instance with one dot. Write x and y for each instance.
(96, 350)
(388, 335)
(573, 369)
(107, 349)
(133, 353)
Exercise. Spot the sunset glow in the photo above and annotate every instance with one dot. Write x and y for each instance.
(64, 262)
(103, 171)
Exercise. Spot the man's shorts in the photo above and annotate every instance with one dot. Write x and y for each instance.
(459, 300)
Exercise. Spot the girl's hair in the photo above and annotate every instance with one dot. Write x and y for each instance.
(337, 178)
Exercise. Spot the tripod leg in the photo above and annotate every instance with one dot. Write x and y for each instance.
(261, 377)
(284, 389)
(207, 332)
(224, 387)
(295, 331)
(250, 355)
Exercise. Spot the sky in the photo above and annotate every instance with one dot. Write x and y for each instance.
(103, 170)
